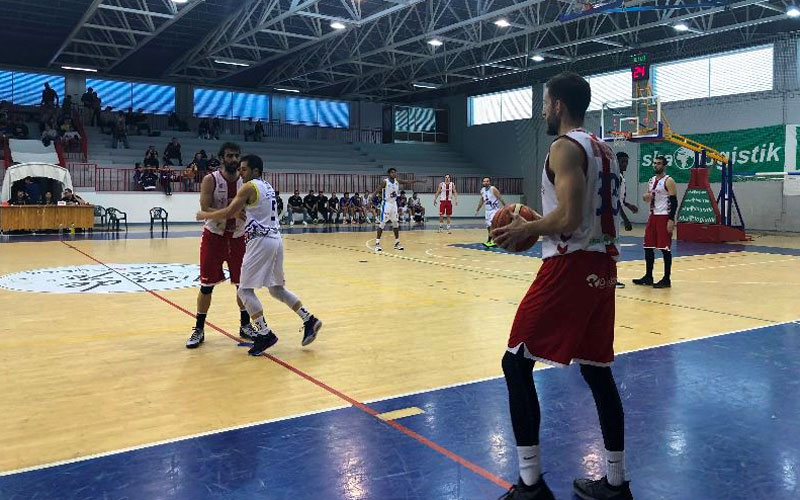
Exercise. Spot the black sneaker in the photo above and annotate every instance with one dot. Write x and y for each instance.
(248, 332)
(261, 343)
(520, 491)
(197, 338)
(590, 489)
(644, 280)
(310, 329)
(664, 283)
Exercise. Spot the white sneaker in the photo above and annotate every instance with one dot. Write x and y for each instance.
(398, 246)
(291, 223)
(305, 223)
(378, 248)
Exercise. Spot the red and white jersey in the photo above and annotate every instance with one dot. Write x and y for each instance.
(446, 191)
(659, 203)
(224, 193)
(601, 204)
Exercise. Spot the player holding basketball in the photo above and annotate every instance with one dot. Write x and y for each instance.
(568, 313)
(491, 199)
(449, 195)
(662, 194)
(390, 187)
(222, 241)
(263, 259)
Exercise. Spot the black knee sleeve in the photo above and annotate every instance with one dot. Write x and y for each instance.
(522, 398)
(609, 405)
(206, 290)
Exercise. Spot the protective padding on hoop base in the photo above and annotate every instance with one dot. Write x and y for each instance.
(709, 233)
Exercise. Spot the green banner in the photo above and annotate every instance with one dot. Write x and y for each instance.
(750, 150)
(697, 208)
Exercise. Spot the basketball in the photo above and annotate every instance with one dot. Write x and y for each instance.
(503, 218)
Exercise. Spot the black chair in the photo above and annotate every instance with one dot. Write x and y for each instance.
(100, 211)
(158, 213)
(115, 216)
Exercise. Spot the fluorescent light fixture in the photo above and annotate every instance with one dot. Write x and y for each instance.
(793, 11)
(338, 25)
(537, 57)
(424, 85)
(435, 42)
(503, 23)
(78, 68)
(293, 91)
(180, 1)
(681, 27)
(231, 63)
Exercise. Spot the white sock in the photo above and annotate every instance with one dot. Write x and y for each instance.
(530, 466)
(304, 314)
(261, 326)
(615, 463)
(377, 241)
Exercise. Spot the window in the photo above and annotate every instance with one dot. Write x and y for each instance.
(157, 99)
(500, 107)
(210, 103)
(25, 89)
(681, 80)
(304, 111)
(414, 119)
(609, 87)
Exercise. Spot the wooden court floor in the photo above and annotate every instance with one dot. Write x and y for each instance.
(87, 373)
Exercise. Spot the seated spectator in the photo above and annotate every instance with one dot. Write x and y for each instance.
(310, 204)
(189, 176)
(344, 208)
(417, 210)
(199, 165)
(120, 132)
(333, 209)
(249, 130)
(48, 198)
(20, 199)
(204, 129)
(213, 163)
(165, 176)
(71, 198)
(151, 157)
(296, 206)
(49, 135)
(322, 206)
(137, 176)
(149, 179)
(357, 209)
(173, 152)
(33, 191)
(402, 207)
(69, 135)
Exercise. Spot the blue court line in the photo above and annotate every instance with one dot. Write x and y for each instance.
(710, 419)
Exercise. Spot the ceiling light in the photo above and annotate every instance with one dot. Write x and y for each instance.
(681, 27)
(435, 42)
(424, 85)
(793, 11)
(77, 68)
(503, 23)
(537, 58)
(337, 25)
(180, 1)
(231, 63)
(293, 91)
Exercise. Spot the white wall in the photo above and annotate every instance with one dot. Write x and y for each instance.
(183, 206)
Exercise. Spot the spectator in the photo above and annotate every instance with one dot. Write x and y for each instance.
(213, 163)
(165, 176)
(200, 165)
(344, 208)
(66, 106)
(120, 132)
(280, 204)
(259, 131)
(333, 209)
(49, 135)
(48, 198)
(21, 199)
(296, 206)
(97, 106)
(137, 176)
(310, 204)
(87, 99)
(357, 209)
(402, 207)
(71, 198)
(204, 129)
(49, 97)
(189, 176)
(175, 123)
(33, 191)
(18, 128)
(322, 206)
(173, 152)
(151, 157)
(216, 125)
(417, 210)
(68, 134)
(107, 120)
(139, 120)
(149, 178)
(249, 130)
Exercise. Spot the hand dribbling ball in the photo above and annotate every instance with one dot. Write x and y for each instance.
(504, 216)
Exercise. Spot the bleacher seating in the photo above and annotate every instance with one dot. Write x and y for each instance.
(423, 159)
(32, 150)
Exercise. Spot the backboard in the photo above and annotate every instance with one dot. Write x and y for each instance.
(638, 119)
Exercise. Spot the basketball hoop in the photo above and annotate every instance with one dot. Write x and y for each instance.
(620, 136)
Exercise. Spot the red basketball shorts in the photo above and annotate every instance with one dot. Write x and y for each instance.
(568, 313)
(445, 207)
(656, 234)
(214, 251)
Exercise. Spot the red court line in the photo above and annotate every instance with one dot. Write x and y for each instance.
(361, 406)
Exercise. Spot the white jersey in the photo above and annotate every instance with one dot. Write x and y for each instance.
(601, 204)
(262, 214)
(224, 193)
(623, 189)
(391, 192)
(446, 191)
(659, 203)
(490, 201)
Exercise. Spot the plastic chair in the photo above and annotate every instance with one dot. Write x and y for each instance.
(116, 215)
(158, 213)
(100, 211)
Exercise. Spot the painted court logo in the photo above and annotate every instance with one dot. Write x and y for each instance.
(96, 278)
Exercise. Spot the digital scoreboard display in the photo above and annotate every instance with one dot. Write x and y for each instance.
(640, 67)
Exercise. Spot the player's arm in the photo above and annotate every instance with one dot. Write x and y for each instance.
(625, 221)
(480, 204)
(436, 196)
(245, 194)
(498, 196)
(206, 193)
(409, 183)
(672, 190)
(455, 194)
(379, 188)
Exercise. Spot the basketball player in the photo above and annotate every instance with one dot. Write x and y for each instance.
(662, 194)
(263, 259)
(222, 241)
(491, 200)
(622, 160)
(391, 190)
(568, 313)
(449, 195)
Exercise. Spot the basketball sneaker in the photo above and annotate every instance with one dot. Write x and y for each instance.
(248, 332)
(663, 283)
(197, 338)
(520, 491)
(398, 246)
(378, 248)
(262, 342)
(310, 328)
(644, 280)
(490, 244)
(590, 489)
